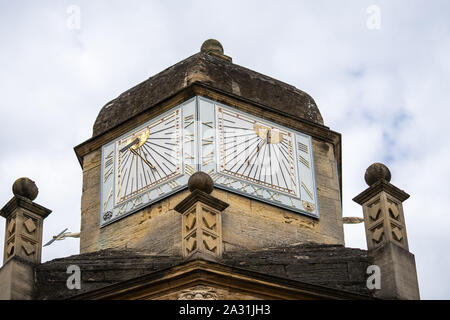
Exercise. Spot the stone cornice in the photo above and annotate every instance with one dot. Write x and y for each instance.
(22, 202)
(317, 131)
(200, 196)
(376, 188)
(203, 272)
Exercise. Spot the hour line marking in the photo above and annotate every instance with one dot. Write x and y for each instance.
(304, 161)
(207, 141)
(188, 120)
(189, 169)
(208, 123)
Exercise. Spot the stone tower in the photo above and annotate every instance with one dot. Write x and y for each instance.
(202, 94)
(225, 177)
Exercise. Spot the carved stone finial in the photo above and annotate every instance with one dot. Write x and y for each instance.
(212, 45)
(201, 181)
(26, 188)
(376, 172)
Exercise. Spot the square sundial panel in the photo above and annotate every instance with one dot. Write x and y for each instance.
(257, 158)
(242, 153)
(148, 163)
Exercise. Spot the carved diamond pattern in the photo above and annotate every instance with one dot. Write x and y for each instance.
(393, 211)
(30, 225)
(28, 248)
(210, 242)
(191, 243)
(375, 212)
(10, 248)
(377, 235)
(397, 233)
(209, 219)
(11, 227)
(190, 221)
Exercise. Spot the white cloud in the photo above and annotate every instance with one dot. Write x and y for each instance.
(385, 90)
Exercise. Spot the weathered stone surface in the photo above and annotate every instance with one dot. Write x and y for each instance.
(213, 72)
(26, 188)
(331, 266)
(375, 172)
(247, 224)
(16, 280)
(398, 272)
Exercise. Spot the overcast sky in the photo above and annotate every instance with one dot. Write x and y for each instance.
(378, 71)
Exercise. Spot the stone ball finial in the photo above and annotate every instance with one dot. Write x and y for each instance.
(212, 45)
(26, 188)
(376, 172)
(201, 181)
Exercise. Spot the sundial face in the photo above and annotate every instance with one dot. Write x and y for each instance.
(147, 163)
(257, 158)
(243, 154)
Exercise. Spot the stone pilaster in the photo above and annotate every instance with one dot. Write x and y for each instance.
(23, 241)
(386, 235)
(24, 223)
(201, 219)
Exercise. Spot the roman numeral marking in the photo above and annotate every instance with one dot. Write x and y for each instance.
(107, 174)
(107, 199)
(173, 184)
(188, 156)
(189, 137)
(208, 123)
(292, 202)
(214, 175)
(189, 169)
(303, 147)
(304, 161)
(109, 159)
(228, 182)
(275, 196)
(207, 141)
(160, 191)
(136, 202)
(307, 190)
(243, 186)
(188, 120)
(208, 158)
(256, 191)
(123, 208)
(108, 166)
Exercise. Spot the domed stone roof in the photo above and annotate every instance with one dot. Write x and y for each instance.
(208, 68)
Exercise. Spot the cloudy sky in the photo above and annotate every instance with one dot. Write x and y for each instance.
(378, 70)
